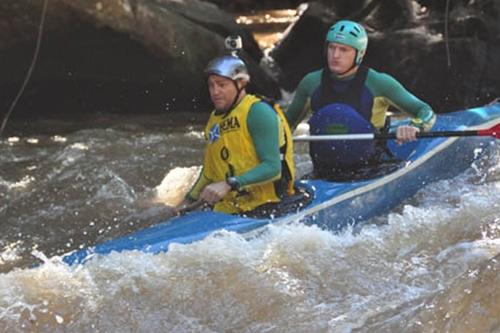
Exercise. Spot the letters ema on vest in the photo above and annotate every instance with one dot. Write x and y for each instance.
(229, 124)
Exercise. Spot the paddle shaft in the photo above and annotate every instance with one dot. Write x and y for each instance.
(192, 206)
(184, 210)
(384, 136)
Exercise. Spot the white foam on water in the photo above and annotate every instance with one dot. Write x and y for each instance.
(195, 134)
(115, 188)
(40, 299)
(17, 185)
(10, 252)
(59, 138)
(291, 278)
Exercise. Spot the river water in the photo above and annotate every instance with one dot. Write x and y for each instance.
(431, 265)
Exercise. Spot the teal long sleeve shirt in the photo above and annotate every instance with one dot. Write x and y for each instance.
(380, 91)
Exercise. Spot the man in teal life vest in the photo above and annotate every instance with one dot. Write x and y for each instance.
(346, 97)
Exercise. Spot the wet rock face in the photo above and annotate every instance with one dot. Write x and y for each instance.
(249, 5)
(124, 56)
(417, 58)
(302, 49)
(450, 72)
(149, 55)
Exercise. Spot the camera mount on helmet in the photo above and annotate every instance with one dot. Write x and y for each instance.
(234, 44)
(230, 66)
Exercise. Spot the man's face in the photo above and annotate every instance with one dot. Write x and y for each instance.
(222, 92)
(340, 57)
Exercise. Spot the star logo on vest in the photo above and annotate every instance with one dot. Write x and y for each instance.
(214, 133)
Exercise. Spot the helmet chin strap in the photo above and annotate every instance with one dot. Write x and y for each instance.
(235, 100)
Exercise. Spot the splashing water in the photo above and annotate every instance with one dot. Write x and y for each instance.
(429, 266)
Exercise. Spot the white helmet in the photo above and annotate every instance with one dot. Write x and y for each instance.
(229, 66)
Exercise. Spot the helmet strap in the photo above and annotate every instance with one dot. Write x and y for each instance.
(354, 64)
(235, 100)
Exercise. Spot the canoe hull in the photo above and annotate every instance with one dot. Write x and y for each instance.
(380, 196)
(335, 205)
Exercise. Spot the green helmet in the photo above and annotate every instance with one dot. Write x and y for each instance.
(349, 33)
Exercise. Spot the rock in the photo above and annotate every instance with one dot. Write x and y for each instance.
(379, 14)
(252, 5)
(302, 47)
(416, 58)
(118, 55)
(416, 55)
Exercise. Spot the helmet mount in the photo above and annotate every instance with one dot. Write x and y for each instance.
(234, 44)
(231, 66)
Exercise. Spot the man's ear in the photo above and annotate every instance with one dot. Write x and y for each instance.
(241, 83)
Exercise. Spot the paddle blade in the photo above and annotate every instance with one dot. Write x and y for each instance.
(493, 131)
(175, 185)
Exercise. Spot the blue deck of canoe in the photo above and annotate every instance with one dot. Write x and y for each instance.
(335, 205)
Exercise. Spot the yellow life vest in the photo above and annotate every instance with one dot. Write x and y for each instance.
(230, 152)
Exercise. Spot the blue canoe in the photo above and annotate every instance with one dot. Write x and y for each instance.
(335, 205)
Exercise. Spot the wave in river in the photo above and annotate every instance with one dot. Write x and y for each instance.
(431, 265)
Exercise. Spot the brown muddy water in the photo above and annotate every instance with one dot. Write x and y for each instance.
(431, 265)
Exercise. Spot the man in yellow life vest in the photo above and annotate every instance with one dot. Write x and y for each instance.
(248, 163)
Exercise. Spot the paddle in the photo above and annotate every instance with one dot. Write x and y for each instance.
(159, 203)
(192, 206)
(162, 213)
(492, 131)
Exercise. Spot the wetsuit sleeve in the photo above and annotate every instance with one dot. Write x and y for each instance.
(301, 103)
(263, 125)
(201, 182)
(403, 100)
